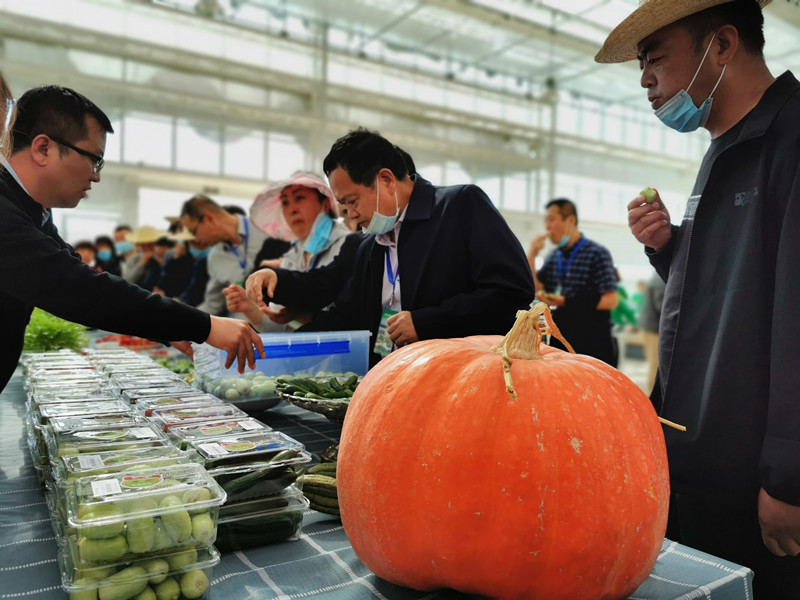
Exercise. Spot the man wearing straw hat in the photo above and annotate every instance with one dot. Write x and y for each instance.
(54, 156)
(730, 327)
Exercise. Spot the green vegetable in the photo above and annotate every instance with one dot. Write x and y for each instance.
(649, 194)
(46, 332)
(328, 468)
(261, 482)
(194, 584)
(257, 531)
(203, 528)
(169, 589)
(88, 594)
(157, 568)
(105, 550)
(125, 584)
(141, 534)
(179, 560)
(178, 522)
(107, 530)
(162, 538)
(146, 594)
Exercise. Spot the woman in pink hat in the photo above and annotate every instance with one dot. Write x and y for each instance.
(300, 207)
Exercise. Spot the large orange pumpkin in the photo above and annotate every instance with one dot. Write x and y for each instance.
(477, 464)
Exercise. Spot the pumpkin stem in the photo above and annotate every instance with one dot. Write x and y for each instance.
(522, 342)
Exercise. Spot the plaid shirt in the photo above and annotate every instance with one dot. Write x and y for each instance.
(591, 268)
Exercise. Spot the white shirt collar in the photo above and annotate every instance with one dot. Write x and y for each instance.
(384, 239)
(10, 169)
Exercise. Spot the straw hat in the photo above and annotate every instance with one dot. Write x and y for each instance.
(184, 235)
(266, 212)
(652, 15)
(145, 235)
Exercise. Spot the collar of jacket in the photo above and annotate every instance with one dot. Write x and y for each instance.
(774, 98)
(421, 203)
(20, 197)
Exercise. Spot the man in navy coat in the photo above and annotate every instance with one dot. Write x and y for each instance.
(441, 261)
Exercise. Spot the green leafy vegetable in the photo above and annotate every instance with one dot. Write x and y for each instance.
(46, 333)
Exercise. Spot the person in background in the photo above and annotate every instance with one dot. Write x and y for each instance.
(107, 258)
(234, 243)
(145, 267)
(649, 316)
(176, 272)
(624, 313)
(437, 262)
(87, 252)
(729, 333)
(577, 280)
(305, 204)
(126, 253)
(57, 138)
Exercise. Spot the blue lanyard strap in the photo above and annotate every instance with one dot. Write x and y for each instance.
(242, 259)
(562, 268)
(391, 276)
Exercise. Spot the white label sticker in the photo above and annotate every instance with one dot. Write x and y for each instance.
(248, 424)
(90, 461)
(142, 432)
(213, 449)
(106, 487)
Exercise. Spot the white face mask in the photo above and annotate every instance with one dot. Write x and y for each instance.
(382, 223)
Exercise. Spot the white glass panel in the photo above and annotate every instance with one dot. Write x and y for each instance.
(244, 153)
(148, 139)
(198, 146)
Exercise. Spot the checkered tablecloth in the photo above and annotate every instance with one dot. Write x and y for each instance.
(320, 565)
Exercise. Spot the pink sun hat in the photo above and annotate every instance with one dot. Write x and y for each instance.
(266, 212)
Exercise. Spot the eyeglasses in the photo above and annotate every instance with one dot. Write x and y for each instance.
(98, 161)
(193, 230)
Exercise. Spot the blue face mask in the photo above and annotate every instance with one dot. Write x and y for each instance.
(123, 247)
(198, 252)
(680, 113)
(381, 223)
(320, 232)
(563, 241)
(104, 255)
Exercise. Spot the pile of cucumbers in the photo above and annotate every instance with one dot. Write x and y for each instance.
(319, 486)
(331, 388)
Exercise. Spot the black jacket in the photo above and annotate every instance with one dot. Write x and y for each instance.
(39, 269)
(730, 323)
(462, 270)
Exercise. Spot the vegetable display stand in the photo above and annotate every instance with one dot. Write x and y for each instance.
(502, 467)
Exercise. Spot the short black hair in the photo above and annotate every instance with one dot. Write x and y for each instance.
(362, 153)
(234, 209)
(198, 205)
(566, 208)
(744, 15)
(56, 111)
(122, 228)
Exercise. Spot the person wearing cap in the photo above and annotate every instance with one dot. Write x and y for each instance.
(234, 241)
(729, 327)
(141, 267)
(304, 204)
(438, 262)
(57, 139)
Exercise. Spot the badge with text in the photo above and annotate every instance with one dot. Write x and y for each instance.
(383, 343)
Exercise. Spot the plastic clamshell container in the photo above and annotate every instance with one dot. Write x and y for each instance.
(125, 516)
(244, 448)
(76, 580)
(170, 417)
(138, 382)
(70, 467)
(246, 482)
(102, 438)
(60, 410)
(183, 435)
(180, 388)
(278, 518)
(333, 352)
(146, 406)
(69, 423)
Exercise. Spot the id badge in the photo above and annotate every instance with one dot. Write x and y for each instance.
(383, 343)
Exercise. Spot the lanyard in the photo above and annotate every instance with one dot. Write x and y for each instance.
(562, 268)
(390, 275)
(243, 259)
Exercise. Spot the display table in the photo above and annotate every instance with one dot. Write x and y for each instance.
(321, 564)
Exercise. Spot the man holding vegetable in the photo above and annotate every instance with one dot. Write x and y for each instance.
(439, 262)
(54, 155)
(729, 328)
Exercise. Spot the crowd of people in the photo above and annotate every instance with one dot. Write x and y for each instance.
(435, 261)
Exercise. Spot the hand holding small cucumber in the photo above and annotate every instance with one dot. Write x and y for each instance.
(649, 220)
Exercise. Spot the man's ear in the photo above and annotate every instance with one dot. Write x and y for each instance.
(727, 40)
(42, 150)
(387, 177)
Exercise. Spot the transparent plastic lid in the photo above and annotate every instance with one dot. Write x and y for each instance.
(119, 497)
(291, 498)
(150, 403)
(97, 420)
(175, 389)
(134, 382)
(114, 461)
(88, 407)
(213, 429)
(245, 448)
(105, 438)
(169, 417)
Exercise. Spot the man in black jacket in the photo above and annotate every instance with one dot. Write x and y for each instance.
(729, 331)
(57, 143)
(441, 261)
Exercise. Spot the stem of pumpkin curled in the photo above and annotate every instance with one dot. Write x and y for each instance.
(522, 342)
